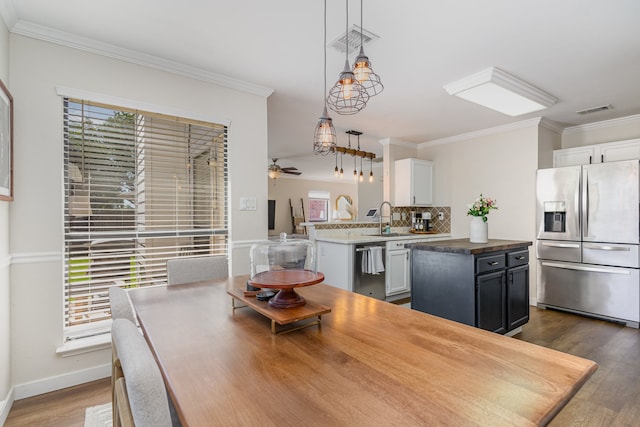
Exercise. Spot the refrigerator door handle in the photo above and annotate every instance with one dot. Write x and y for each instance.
(609, 248)
(585, 202)
(583, 267)
(561, 245)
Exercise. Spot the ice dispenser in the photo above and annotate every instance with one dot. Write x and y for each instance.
(555, 217)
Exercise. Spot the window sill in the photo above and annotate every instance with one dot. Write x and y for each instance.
(85, 345)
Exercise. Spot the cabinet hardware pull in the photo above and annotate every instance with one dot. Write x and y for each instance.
(520, 257)
(493, 263)
(601, 158)
(590, 160)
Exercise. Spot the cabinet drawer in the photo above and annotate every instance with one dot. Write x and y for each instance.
(490, 263)
(517, 258)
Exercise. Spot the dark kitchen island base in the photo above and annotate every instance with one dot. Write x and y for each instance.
(485, 285)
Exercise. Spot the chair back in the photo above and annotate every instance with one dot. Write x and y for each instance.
(144, 386)
(196, 269)
(121, 307)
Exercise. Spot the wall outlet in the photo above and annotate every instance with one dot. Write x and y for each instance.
(441, 216)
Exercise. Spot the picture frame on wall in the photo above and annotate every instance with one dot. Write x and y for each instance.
(6, 144)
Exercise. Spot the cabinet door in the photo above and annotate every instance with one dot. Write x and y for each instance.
(575, 156)
(397, 278)
(620, 150)
(517, 296)
(491, 302)
(422, 183)
(413, 182)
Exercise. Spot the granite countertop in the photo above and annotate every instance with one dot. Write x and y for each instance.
(463, 246)
(364, 238)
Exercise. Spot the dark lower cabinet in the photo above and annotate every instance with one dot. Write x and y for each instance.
(488, 290)
(491, 309)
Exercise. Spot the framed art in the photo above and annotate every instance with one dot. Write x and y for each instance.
(6, 144)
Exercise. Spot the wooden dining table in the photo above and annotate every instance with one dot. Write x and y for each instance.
(368, 363)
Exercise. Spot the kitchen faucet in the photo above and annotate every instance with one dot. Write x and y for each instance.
(380, 211)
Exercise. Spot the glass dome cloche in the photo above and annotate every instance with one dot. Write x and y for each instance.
(283, 265)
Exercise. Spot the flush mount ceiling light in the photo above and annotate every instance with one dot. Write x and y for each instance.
(496, 89)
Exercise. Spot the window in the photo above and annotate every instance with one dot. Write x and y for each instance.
(140, 188)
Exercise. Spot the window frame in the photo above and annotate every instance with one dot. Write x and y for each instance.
(91, 330)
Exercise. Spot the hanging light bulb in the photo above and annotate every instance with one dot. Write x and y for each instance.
(362, 69)
(341, 171)
(347, 96)
(370, 169)
(355, 171)
(324, 136)
(336, 172)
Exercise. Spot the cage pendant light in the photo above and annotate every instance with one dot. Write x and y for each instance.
(347, 96)
(363, 70)
(324, 136)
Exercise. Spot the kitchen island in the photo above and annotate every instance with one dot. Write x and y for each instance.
(370, 364)
(485, 285)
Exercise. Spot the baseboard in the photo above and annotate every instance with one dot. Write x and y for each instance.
(5, 407)
(59, 382)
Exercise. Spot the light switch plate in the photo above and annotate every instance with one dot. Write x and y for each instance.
(247, 203)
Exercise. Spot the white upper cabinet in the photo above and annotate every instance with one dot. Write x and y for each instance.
(599, 153)
(413, 182)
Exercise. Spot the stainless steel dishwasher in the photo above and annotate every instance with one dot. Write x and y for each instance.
(372, 285)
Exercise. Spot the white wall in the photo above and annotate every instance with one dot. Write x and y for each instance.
(500, 164)
(604, 131)
(370, 193)
(283, 189)
(5, 295)
(36, 239)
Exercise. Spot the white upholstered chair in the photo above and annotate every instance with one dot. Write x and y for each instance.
(141, 397)
(120, 303)
(196, 269)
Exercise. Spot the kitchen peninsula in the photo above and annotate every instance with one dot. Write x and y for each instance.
(340, 254)
(485, 285)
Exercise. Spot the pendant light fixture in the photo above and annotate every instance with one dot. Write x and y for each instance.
(336, 172)
(324, 136)
(362, 67)
(370, 170)
(347, 96)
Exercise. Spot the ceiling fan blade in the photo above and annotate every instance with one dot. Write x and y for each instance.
(291, 172)
(290, 168)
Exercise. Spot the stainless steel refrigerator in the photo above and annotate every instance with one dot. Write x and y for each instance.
(587, 240)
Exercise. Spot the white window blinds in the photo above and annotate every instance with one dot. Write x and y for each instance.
(140, 188)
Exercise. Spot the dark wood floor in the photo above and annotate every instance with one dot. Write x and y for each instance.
(610, 398)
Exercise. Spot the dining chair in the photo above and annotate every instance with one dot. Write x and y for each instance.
(141, 397)
(196, 269)
(120, 303)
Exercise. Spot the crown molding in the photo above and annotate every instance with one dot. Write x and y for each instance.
(484, 132)
(62, 38)
(397, 142)
(629, 120)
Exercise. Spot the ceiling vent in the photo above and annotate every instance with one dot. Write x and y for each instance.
(355, 32)
(595, 109)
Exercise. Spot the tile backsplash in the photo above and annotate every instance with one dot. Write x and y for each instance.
(440, 226)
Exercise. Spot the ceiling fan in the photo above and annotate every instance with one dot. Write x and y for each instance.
(275, 170)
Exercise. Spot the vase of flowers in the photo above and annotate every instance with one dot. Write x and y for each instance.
(479, 209)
